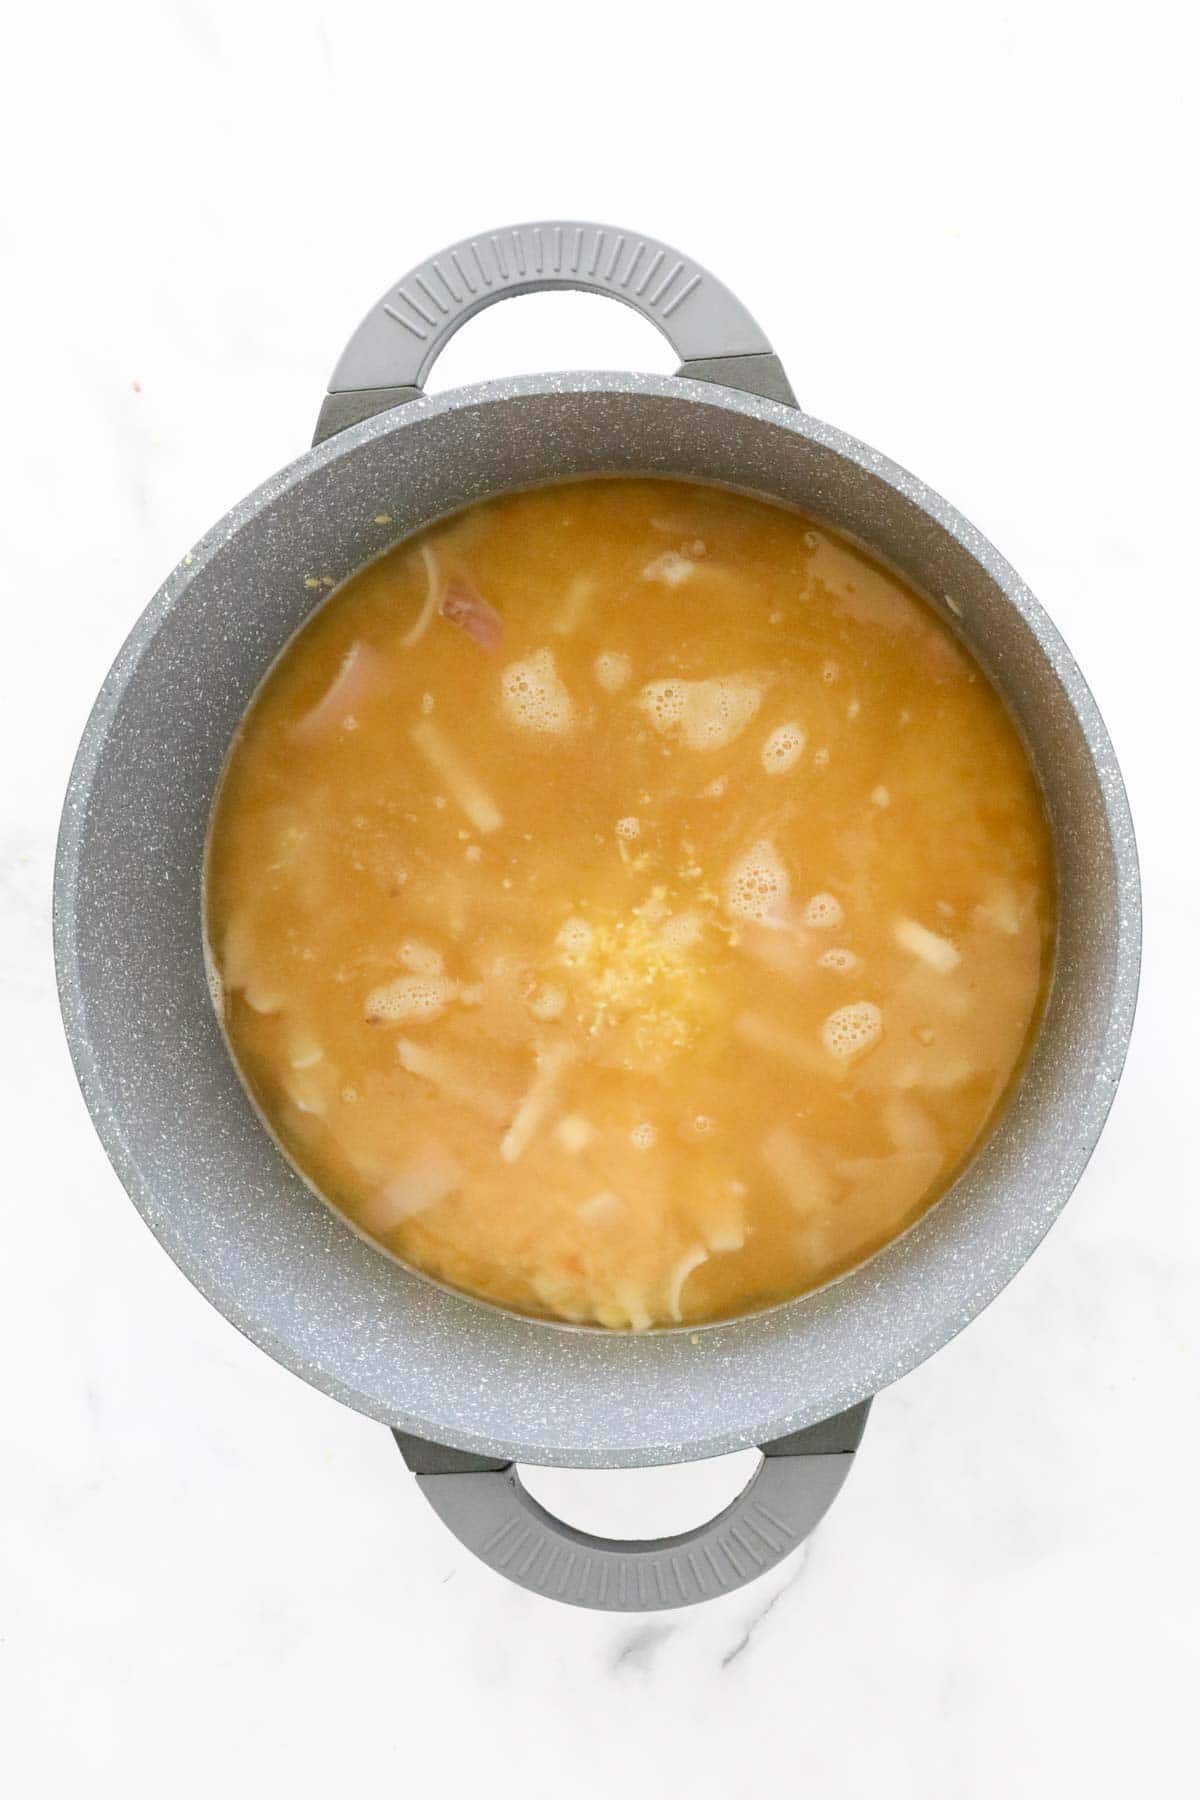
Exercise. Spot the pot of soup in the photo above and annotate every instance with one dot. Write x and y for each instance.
(597, 919)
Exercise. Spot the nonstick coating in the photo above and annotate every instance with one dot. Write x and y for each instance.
(162, 1089)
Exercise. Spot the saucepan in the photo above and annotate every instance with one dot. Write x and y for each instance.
(470, 1390)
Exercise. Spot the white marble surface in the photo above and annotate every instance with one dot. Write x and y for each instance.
(970, 232)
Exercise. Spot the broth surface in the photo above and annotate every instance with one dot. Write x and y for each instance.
(628, 903)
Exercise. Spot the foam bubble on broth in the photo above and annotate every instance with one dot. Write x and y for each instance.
(708, 715)
(409, 999)
(838, 958)
(682, 932)
(852, 1029)
(534, 696)
(661, 965)
(783, 748)
(758, 885)
(824, 912)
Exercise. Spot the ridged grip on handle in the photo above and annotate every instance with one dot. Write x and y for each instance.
(390, 355)
(486, 1507)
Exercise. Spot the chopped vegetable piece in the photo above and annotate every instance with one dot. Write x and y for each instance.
(463, 605)
(798, 1171)
(537, 1102)
(469, 792)
(688, 1263)
(429, 604)
(454, 1081)
(360, 669)
(938, 952)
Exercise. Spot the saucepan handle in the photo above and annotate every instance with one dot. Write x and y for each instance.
(486, 1507)
(389, 357)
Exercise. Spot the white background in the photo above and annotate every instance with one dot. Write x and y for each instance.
(970, 232)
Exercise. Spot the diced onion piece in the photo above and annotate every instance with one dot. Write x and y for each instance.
(722, 1220)
(633, 1303)
(429, 605)
(261, 999)
(777, 950)
(938, 952)
(687, 1264)
(909, 1126)
(574, 1133)
(601, 1209)
(1001, 910)
(425, 1181)
(797, 1170)
(939, 1071)
(359, 668)
(240, 962)
(670, 568)
(467, 790)
(580, 591)
(537, 1102)
(892, 1185)
(558, 1291)
(764, 1034)
(451, 1079)
(307, 1092)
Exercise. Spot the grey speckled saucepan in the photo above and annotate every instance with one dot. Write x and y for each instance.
(468, 1389)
